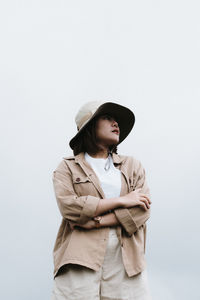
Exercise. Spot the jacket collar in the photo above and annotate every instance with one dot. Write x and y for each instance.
(117, 159)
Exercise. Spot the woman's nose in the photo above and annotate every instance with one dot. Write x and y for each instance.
(115, 123)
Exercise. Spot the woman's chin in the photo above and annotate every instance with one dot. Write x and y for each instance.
(114, 142)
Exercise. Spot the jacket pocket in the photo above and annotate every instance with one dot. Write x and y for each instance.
(79, 178)
(82, 184)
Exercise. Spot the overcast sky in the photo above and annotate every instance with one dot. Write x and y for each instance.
(55, 56)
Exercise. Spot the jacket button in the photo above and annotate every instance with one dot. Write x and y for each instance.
(78, 179)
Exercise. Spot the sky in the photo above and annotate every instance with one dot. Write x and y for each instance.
(54, 57)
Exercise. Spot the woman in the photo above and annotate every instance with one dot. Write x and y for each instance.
(103, 197)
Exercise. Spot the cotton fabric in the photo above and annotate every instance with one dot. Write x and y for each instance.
(111, 282)
(78, 191)
(76, 282)
(110, 180)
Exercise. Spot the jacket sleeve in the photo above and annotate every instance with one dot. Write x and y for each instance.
(132, 218)
(73, 208)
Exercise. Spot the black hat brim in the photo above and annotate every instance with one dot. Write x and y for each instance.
(123, 115)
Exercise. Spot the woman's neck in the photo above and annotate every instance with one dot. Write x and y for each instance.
(100, 154)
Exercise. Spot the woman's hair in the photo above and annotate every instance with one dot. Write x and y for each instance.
(86, 142)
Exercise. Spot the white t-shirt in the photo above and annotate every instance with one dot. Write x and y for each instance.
(110, 180)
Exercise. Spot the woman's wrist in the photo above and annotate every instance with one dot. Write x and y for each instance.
(97, 221)
(107, 220)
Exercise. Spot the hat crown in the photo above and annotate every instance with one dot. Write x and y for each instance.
(86, 112)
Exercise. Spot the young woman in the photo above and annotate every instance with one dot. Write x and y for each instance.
(104, 200)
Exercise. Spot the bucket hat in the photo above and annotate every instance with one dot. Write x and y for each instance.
(87, 112)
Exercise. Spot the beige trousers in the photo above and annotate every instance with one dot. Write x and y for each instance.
(75, 282)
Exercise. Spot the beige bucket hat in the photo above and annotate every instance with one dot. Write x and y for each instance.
(123, 115)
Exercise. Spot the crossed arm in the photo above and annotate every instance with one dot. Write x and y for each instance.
(105, 205)
(106, 220)
(80, 211)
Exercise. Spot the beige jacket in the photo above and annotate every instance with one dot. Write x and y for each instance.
(78, 191)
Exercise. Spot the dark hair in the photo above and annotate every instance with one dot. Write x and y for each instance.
(87, 142)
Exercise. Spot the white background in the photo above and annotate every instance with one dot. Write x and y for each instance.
(55, 56)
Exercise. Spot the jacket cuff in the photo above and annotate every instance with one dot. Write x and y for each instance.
(89, 209)
(124, 217)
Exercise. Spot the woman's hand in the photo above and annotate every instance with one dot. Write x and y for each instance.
(89, 225)
(135, 198)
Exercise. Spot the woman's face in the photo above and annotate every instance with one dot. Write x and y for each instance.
(107, 130)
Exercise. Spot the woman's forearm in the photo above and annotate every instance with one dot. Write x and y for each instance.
(109, 220)
(107, 204)
(131, 199)
(106, 221)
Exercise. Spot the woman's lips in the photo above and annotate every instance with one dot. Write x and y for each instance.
(116, 132)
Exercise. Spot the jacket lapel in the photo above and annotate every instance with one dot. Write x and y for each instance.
(80, 159)
(119, 162)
